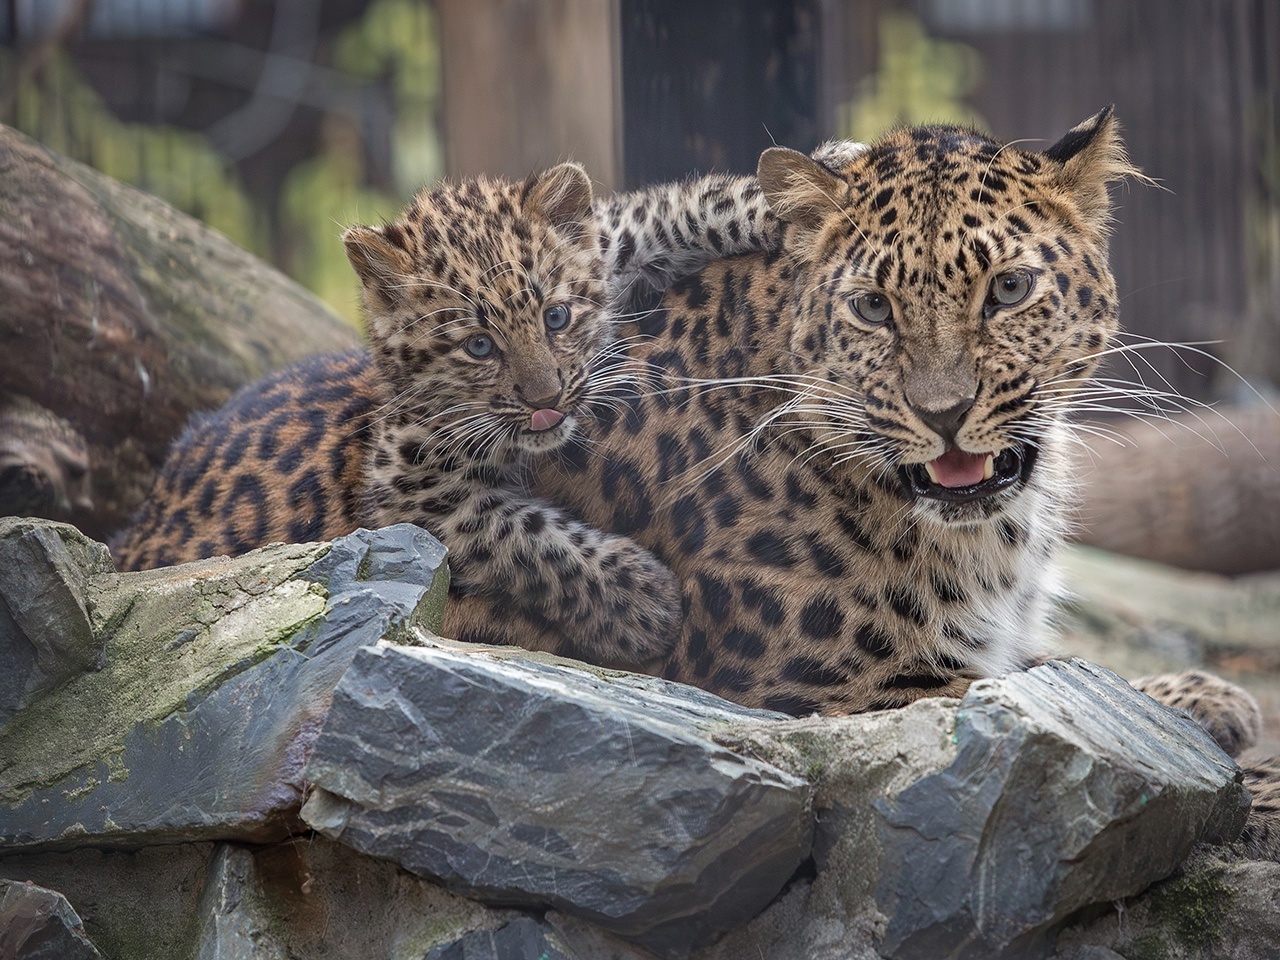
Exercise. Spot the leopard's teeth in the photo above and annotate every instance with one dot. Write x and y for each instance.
(989, 467)
(933, 474)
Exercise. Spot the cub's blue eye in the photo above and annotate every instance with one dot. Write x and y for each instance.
(873, 308)
(556, 318)
(479, 346)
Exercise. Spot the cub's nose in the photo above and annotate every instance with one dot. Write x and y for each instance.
(550, 397)
(945, 423)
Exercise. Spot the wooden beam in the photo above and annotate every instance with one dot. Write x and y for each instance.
(528, 84)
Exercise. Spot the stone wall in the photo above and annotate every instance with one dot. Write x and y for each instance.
(276, 757)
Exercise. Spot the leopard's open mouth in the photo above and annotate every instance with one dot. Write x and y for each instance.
(958, 477)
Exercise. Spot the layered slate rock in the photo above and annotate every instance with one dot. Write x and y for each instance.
(304, 899)
(524, 781)
(314, 898)
(39, 924)
(46, 636)
(212, 682)
(522, 938)
(971, 829)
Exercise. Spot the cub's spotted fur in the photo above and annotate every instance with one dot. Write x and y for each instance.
(492, 309)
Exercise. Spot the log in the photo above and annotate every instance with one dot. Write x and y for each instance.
(120, 316)
(1197, 490)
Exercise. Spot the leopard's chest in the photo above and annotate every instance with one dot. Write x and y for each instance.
(781, 563)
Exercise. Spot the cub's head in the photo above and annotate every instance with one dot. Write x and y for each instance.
(483, 302)
(952, 294)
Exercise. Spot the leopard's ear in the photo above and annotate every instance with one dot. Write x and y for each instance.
(561, 194)
(1090, 156)
(382, 260)
(800, 190)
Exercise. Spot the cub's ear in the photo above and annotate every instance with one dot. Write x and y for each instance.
(800, 190)
(1092, 155)
(561, 194)
(381, 258)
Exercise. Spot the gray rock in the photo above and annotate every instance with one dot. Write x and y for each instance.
(521, 939)
(235, 924)
(39, 924)
(522, 781)
(305, 899)
(1214, 906)
(46, 637)
(972, 829)
(1048, 806)
(216, 679)
(136, 904)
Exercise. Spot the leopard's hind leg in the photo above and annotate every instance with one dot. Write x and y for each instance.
(1261, 837)
(1227, 711)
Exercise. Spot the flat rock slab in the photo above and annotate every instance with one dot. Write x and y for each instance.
(213, 682)
(528, 782)
(39, 924)
(971, 829)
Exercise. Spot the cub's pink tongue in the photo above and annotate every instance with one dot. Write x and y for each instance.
(955, 468)
(544, 419)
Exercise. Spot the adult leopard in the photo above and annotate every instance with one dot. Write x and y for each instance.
(850, 451)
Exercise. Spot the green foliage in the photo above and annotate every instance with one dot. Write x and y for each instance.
(919, 80)
(323, 195)
(398, 38)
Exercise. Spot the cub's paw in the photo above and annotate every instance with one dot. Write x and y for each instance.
(640, 611)
(1228, 712)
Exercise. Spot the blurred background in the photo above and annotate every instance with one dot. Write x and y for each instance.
(281, 121)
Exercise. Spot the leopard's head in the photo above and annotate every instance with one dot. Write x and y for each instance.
(484, 312)
(952, 294)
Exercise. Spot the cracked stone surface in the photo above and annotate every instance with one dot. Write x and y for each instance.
(972, 828)
(213, 680)
(523, 781)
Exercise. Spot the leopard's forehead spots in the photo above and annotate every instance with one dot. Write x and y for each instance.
(928, 207)
(931, 214)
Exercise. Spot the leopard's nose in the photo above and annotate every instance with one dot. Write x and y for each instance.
(945, 423)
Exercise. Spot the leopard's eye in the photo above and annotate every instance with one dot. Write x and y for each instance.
(1010, 288)
(479, 346)
(556, 318)
(873, 308)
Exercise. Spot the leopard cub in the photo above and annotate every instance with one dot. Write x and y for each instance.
(491, 315)
(490, 339)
